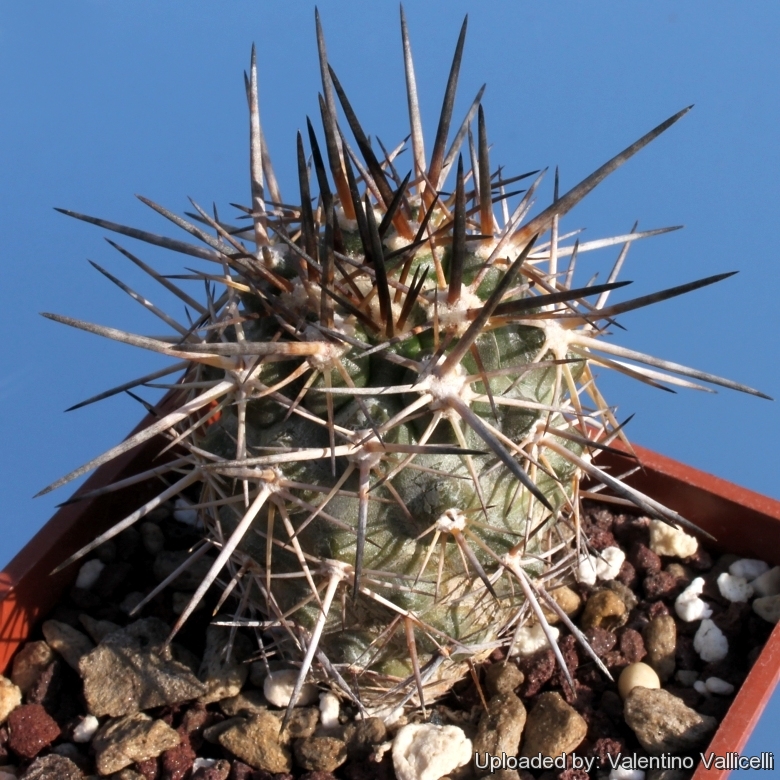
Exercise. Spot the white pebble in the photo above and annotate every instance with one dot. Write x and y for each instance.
(749, 568)
(665, 539)
(623, 773)
(636, 675)
(768, 583)
(423, 751)
(608, 565)
(184, 513)
(689, 606)
(701, 687)
(203, 763)
(721, 687)
(329, 710)
(686, 677)
(89, 573)
(734, 588)
(710, 642)
(86, 729)
(586, 571)
(278, 689)
(529, 639)
(768, 608)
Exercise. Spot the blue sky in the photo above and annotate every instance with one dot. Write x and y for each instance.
(104, 100)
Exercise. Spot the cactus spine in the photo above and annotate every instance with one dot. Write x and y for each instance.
(390, 406)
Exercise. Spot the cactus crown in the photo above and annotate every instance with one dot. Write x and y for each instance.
(388, 398)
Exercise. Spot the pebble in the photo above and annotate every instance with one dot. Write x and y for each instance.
(620, 773)
(552, 727)
(89, 573)
(31, 729)
(184, 513)
(130, 602)
(768, 583)
(424, 751)
(223, 676)
(98, 629)
(710, 642)
(567, 600)
(130, 739)
(689, 606)
(528, 639)
(734, 588)
(320, 753)
(329, 710)
(500, 728)
(604, 609)
(152, 538)
(502, 677)
(278, 688)
(85, 729)
(168, 561)
(28, 665)
(667, 540)
(362, 736)
(768, 608)
(52, 766)
(605, 565)
(10, 698)
(749, 568)
(637, 674)
(665, 724)
(686, 677)
(660, 636)
(67, 641)
(259, 743)
(718, 686)
(132, 670)
(247, 702)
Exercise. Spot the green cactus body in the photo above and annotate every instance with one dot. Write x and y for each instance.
(390, 408)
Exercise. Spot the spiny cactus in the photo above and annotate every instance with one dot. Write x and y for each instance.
(388, 399)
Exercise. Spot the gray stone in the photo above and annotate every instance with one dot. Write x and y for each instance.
(552, 727)
(660, 636)
(138, 737)
(132, 670)
(361, 736)
(500, 727)
(320, 754)
(168, 561)
(97, 629)
(223, 676)
(245, 703)
(67, 641)
(28, 664)
(211, 733)
(665, 724)
(259, 743)
(502, 677)
(53, 766)
(152, 538)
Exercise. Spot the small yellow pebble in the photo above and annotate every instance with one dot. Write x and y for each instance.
(634, 675)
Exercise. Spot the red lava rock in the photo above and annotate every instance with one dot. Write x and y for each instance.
(628, 529)
(601, 640)
(615, 661)
(568, 648)
(643, 559)
(4, 745)
(177, 762)
(242, 771)
(701, 560)
(657, 609)
(573, 774)
(31, 729)
(604, 747)
(538, 669)
(662, 585)
(632, 646)
(219, 771)
(627, 575)
(599, 538)
(150, 768)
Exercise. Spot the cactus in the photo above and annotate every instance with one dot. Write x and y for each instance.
(389, 410)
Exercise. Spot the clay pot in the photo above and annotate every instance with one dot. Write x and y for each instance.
(743, 522)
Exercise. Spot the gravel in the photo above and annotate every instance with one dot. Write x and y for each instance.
(97, 690)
